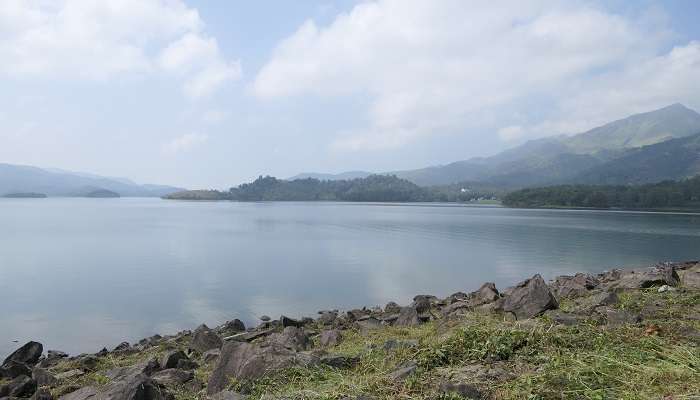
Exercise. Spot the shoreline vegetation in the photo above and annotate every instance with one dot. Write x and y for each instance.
(632, 334)
(669, 196)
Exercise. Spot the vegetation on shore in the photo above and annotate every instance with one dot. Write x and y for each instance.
(618, 335)
(374, 188)
(664, 195)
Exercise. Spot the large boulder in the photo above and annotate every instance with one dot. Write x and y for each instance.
(291, 338)
(245, 361)
(127, 383)
(408, 316)
(172, 377)
(566, 286)
(204, 339)
(530, 298)
(12, 369)
(641, 278)
(171, 358)
(487, 293)
(690, 277)
(21, 386)
(331, 337)
(28, 354)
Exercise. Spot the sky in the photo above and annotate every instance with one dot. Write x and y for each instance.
(213, 93)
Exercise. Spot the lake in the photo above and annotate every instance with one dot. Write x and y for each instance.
(80, 274)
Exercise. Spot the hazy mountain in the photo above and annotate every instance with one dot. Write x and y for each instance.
(27, 179)
(331, 177)
(562, 158)
(670, 160)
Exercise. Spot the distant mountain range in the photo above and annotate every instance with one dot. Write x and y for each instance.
(642, 148)
(53, 182)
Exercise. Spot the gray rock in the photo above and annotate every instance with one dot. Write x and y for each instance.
(286, 321)
(403, 372)
(265, 318)
(642, 278)
(42, 377)
(12, 369)
(171, 358)
(234, 326)
(21, 386)
(574, 286)
(28, 354)
(327, 318)
(227, 395)
(172, 377)
(186, 364)
(70, 374)
(84, 393)
(408, 316)
(250, 336)
(690, 278)
(211, 355)
(487, 293)
(530, 298)
(330, 338)
(369, 324)
(618, 317)
(244, 361)
(292, 338)
(204, 339)
(123, 346)
(392, 308)
(422, 303)
(42, 394)
(88, 362)
(460, 389)
(127, 383)
(563, 318)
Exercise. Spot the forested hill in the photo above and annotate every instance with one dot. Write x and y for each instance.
(683, 194)
(374, 188)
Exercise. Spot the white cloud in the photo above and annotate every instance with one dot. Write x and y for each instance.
(100, 39)
(439, 66)
(185, 143)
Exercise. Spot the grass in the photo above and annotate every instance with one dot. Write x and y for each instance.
(536, 359)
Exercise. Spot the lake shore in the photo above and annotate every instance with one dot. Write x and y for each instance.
(622, 333)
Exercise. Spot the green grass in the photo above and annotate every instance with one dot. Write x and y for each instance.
(540, 360)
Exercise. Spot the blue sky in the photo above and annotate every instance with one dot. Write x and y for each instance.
(214, 93)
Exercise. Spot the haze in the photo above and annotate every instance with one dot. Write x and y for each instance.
(214, 93)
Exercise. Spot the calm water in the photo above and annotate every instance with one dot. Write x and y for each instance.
(80, 274)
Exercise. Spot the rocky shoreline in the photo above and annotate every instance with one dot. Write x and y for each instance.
(522, 341)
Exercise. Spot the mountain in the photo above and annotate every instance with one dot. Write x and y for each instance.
(331, 177)
(670, 160)
(27, 179)
(563, 158)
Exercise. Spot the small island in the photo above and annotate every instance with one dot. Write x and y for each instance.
(29, 195)
(102, 194)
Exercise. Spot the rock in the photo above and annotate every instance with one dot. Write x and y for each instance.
(265, 318)
(129, 387)
(186, 364)
(574, 286)
(408, 316)
(618, 317)
(234, 326)
(250, 336)
(244, 361)
(339, 361)
(12, 369)
(292, 338)
(458, 296)
(21, 386)
(453, 307)
(641, 278)
(204, 339)
(392, 308)
(84, 393)
(403, 372)
(327, 318)
(53, 357)
(286, 321)
(42, 377)
(211, 355)
(393, 344)
(28, 354)
(227, 395)
(330, 338)
(144, 368)
(369, 324)
(42, 394)
(88, 362)
(530, 298)
(171, 358)
(487, 293)
(604, 299)
(563, 318)
(422, 303)
(123, 346)
(172, 377)
(690, 277)
(460, 389)
(71, 374)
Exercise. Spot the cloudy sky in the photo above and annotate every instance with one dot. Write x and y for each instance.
(211, 93)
